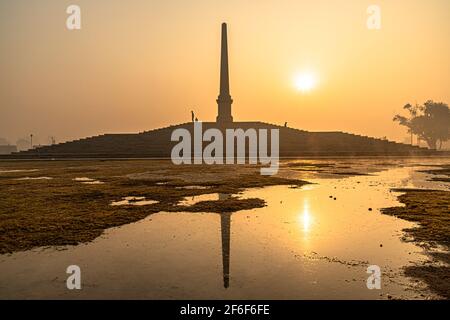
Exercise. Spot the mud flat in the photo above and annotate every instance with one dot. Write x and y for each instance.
(431, 210)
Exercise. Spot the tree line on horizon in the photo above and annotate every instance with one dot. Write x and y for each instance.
(430, 122)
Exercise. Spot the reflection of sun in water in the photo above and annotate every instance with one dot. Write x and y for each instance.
(305, 218)
(305, 81)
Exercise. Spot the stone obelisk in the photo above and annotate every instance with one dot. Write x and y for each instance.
(224, 100)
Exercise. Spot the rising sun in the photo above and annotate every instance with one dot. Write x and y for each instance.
(305, 81)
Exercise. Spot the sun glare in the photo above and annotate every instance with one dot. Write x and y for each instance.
(305, 217)
(305, 82)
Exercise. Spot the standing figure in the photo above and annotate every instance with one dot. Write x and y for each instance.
(192, 115)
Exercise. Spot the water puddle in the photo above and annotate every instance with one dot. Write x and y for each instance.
(194, 187)
(133, 201)
(302, 245)
(190, 201)
(85, 180)
(34, 178)
(19, 170)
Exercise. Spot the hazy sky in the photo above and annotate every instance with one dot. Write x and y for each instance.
(141, 64)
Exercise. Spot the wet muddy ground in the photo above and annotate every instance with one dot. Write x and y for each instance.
(165, 233)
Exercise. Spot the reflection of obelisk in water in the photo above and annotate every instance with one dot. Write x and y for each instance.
(224, 100)
(225, 226)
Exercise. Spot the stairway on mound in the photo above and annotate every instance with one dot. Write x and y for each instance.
(157, 143)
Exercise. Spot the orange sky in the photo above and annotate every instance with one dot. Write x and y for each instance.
(139, 64)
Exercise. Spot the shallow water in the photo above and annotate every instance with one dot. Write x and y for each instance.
(134, 201)
(193, 187)
(18, 170)
(85, 180)
(189, 201)
(34, 178)
(302, 245)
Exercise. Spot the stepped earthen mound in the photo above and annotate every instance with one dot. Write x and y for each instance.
(157, 144)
